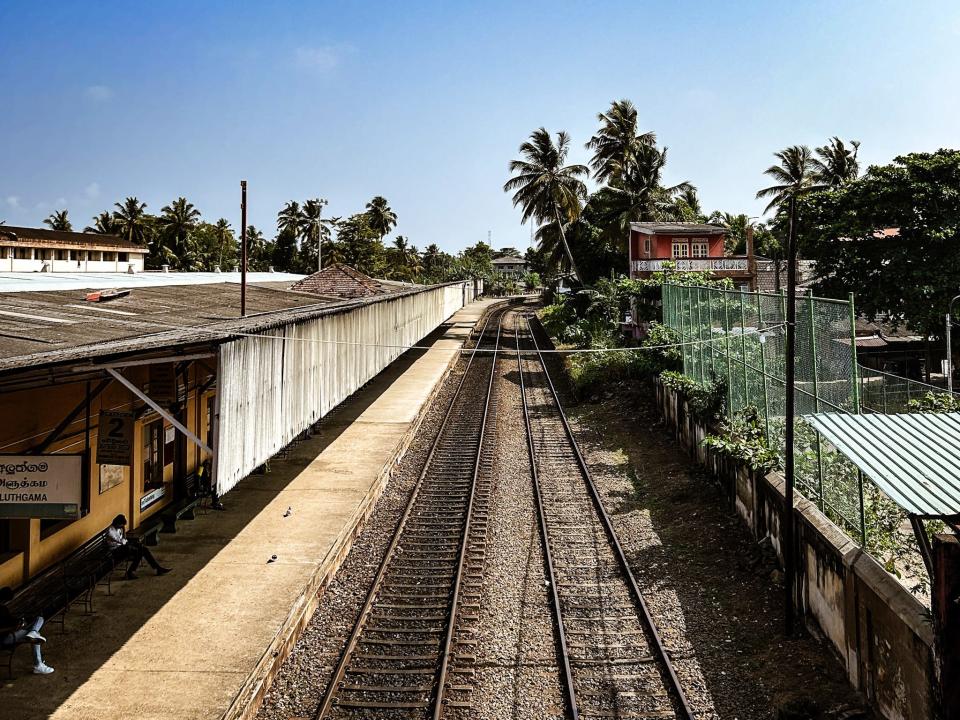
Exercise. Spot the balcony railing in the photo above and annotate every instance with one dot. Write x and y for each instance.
(720, 264)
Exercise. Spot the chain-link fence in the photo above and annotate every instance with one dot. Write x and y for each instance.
(739, 338)
(881, 392)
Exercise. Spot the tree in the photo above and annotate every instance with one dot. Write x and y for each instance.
(283, 257)
(795, 175)
(313, 231)
(176, 223)
(259, 250)
(616, 144)
(58, 220)
(226, 244)
(905, 277)
(132, 221)
(735, 242)
(545, 188)
(835, 164)
(360, 245)
(380, 217)
(103, 224)
(507, 252)
(290, 219)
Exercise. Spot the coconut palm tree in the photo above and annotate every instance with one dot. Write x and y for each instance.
(103, 224)
(312, 228)
(545, 188)
(290, 219)
(224, 235)
(616, 144)
(58, 220)
(796, 175)
(177, 221)
(835, 163)
(131, 220)
(382, 219)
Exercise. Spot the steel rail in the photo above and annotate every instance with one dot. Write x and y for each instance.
(361, 622)
(451, 623)
(662, 653)
(568, 686)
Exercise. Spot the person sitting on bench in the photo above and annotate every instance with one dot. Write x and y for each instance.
(124, 548)
(14, 631)
(207, 486)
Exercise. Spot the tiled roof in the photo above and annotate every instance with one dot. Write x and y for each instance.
(509, 260)
(342, 281)
(677, 228)
(52, 238)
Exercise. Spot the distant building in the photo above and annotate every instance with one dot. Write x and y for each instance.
(342, 281)
(655, 246)
(38, 250)
(510, 267)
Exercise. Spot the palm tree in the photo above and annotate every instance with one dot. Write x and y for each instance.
(224, 235)
(58, 220)
(795, 175)
(131, 220)
(312, 227)
(638, 194)
(836, 164)
(382, 218)
(546, 189)
(103, 224)
(616, 144)
(177, 221)
(290, 219)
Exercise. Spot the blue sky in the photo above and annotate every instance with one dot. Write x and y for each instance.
(426, 103)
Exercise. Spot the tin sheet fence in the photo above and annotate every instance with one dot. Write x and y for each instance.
(276, 385)
(739, 338)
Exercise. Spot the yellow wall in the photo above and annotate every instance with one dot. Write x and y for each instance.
(37, 412)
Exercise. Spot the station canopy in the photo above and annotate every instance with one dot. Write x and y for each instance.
(913, 458)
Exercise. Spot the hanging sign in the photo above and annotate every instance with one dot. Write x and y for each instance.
(115, 438)
(40, 486)
(163, 384)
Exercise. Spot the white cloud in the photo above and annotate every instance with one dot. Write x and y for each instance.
(319, 59)
(92, 190)
(13, 202)
(98, 93)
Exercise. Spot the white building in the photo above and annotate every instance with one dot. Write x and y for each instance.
(38, 250)
(510, 266)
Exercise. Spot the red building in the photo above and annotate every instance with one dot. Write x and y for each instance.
(689, 246)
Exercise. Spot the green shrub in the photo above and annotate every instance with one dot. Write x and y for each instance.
(742, 438)
(934, 402)
(705, 401)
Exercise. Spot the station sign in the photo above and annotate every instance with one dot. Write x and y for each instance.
(115, 438)
(41, 486)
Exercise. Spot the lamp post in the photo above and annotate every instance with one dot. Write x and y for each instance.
(243, 248)
(949, 349)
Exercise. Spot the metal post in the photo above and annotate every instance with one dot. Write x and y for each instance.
(789, 469)
(743, 353)
(726, 350)
(863, 514)
(243, 248)
(763, 374)
(949, 346)
(855, 378)
(816, 391)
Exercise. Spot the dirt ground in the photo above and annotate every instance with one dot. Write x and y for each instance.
(693, 556)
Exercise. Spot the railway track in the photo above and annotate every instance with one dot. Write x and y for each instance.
(612, 660)
(412, 645)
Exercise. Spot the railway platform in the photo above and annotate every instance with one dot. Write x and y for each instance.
(203, 641)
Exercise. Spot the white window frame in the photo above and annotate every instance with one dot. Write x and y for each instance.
(700, 249)
(680, 250)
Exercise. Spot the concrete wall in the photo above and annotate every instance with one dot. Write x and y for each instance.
(882, 634)
(44, 258)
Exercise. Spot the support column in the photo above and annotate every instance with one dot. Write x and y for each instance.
(945, 604)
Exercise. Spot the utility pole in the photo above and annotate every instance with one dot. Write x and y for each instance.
(789, 561)
(243, 248)
(949, 348)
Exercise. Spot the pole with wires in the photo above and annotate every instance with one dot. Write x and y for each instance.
(243, 248)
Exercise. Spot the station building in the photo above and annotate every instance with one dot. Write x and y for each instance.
(52, 251)
(111, 405)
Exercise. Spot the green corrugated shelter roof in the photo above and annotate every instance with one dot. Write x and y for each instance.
(913, 458)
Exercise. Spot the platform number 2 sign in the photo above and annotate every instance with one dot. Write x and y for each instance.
(115, 438)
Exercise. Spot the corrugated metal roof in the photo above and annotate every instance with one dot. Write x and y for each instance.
(913, 458)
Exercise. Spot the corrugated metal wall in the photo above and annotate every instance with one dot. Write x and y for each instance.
(272, 390)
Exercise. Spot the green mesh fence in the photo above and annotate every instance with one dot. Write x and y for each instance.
(739, 338)
(881, 392)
